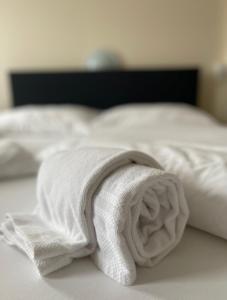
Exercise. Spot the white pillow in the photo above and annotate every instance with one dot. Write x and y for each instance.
(143, 115)
(47, 119)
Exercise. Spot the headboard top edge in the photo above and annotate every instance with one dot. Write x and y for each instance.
(81, 70)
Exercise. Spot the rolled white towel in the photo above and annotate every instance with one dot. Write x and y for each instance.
(118, 205)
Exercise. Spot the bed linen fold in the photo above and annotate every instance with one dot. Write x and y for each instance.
(203, 172)
(16, 161)
(117, 205)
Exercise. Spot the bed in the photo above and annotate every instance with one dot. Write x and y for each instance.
(196, 269)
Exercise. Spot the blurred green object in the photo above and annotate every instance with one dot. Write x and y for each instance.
(104, 60)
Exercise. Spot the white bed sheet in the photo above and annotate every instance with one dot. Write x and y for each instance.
(196, 269)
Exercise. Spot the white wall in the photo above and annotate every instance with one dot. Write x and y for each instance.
(61, 34)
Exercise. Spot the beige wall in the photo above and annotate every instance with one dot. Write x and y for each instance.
(220, 103)
(61, 34)
(224, 31)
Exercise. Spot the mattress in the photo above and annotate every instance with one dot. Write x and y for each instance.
(196, 269)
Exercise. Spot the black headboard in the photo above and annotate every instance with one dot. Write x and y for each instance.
(105, 88)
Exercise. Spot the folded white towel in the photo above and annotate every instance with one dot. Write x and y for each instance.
(118, 205)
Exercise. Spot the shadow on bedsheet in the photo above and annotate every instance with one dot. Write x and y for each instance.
(197, 257)
(197, 260)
